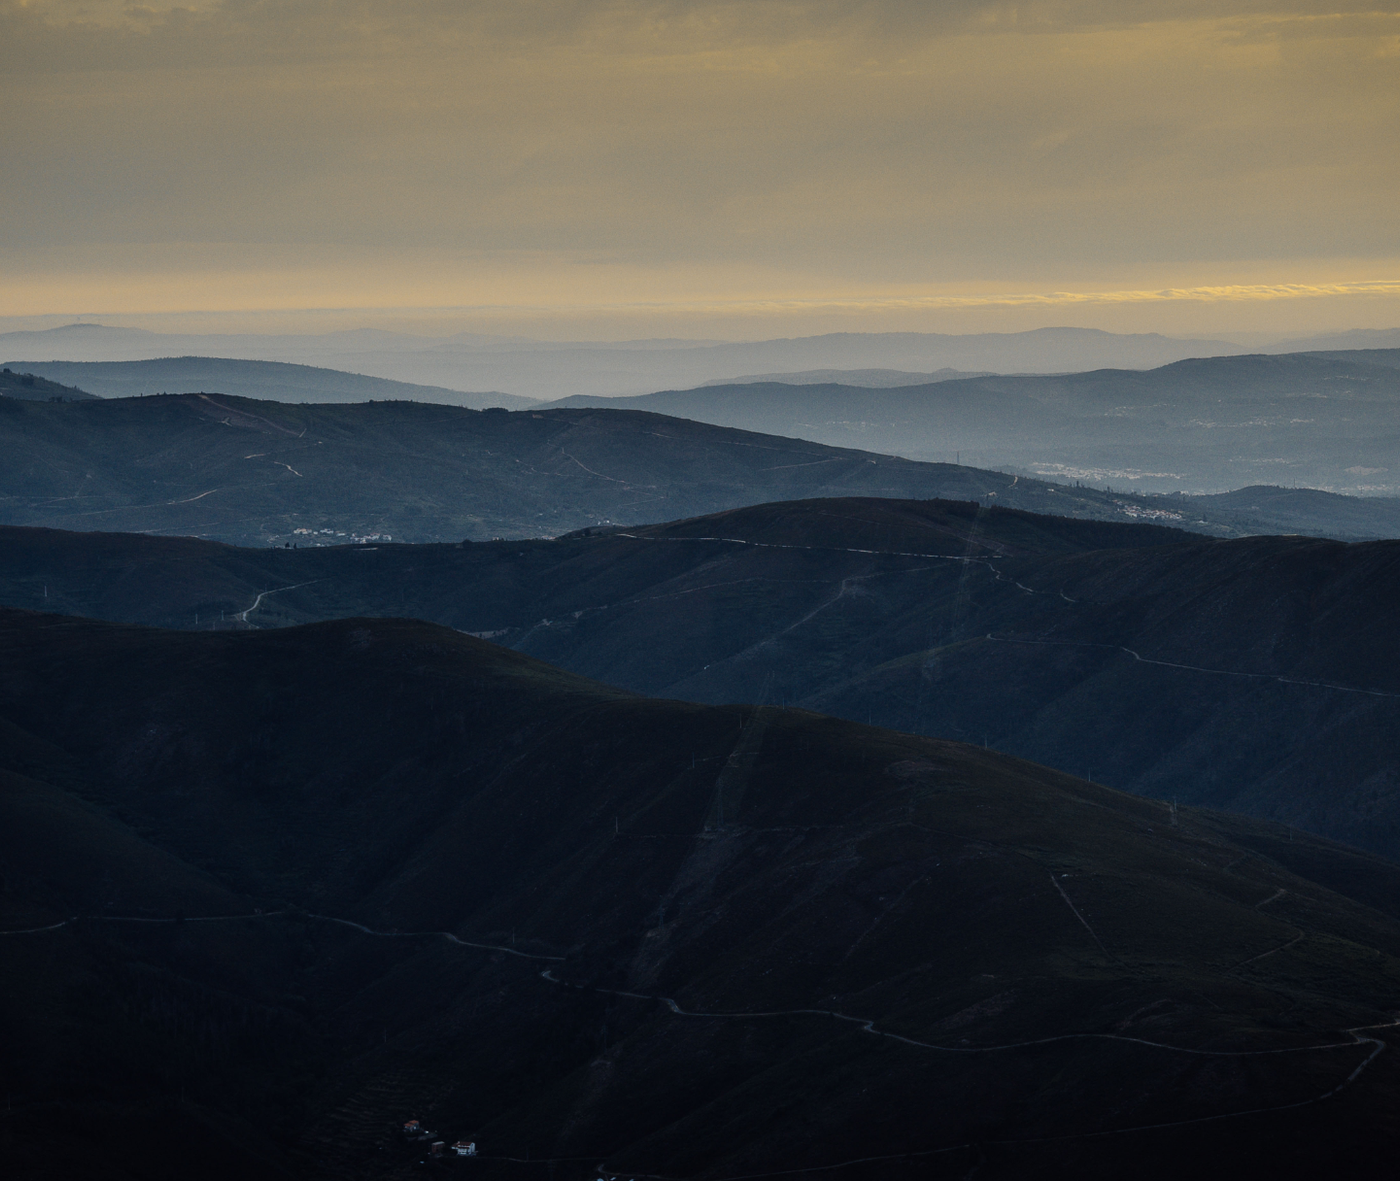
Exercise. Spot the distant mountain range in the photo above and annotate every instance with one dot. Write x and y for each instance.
(267, 897)
(554, 369)
(1257, 674)
(1356, 338)
(1207, 425)
(869, 378)
(260, 472)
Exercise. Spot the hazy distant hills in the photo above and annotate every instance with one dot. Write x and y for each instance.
(555, 369)
(275, 380)
(1356, 338)
(1389, 358)
(871, 378)
(1257, 674)
(1206, 425)
(248, 471)
(633, 937)
(255, 472)
(260, 472)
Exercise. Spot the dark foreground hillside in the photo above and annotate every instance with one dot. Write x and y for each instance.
(267, 895)
(1258, 675)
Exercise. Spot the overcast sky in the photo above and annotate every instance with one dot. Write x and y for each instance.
(740, 168)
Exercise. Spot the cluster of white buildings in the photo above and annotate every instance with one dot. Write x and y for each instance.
(354, 538)
(414, 1130)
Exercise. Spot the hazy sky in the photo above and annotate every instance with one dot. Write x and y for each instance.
(705, 168)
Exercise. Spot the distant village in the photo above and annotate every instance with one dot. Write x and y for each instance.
(352, 538)
(414, 1130)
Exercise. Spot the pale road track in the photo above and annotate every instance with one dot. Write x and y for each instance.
(243, 615)
(271, 914)
(865, 1025)
(1216, 672)
(1093, 934)
(868, 1025)
(1219, 672)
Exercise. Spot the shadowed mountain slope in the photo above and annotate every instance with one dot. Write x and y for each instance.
(653, 938)
(1256, 674)
(277, 381)
(26, 387)
(258, 472)
(167, 581)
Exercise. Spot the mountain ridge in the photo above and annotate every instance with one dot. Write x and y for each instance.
(275, 380)
(258, 472)
(1198, 424)
(551, 369)
(1253, 674)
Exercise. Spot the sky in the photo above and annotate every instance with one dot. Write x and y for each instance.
(701, 168)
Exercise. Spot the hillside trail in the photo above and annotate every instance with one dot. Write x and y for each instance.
(243, 615)
(1355, 1033)
(1377, 1044)
(1195, 668)
(868, 1026)
(968, 561)
(839, 549)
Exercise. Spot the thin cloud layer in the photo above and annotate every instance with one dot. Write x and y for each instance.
(528, 151)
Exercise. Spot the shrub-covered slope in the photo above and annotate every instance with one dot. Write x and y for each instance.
(1255, 674)
(25, 386)
(601, 933)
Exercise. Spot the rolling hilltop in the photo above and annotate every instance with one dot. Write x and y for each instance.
(259, 472)
(29, 388)
(1254, 674)
(328, 878)
(1208, 425)
(554, 369)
